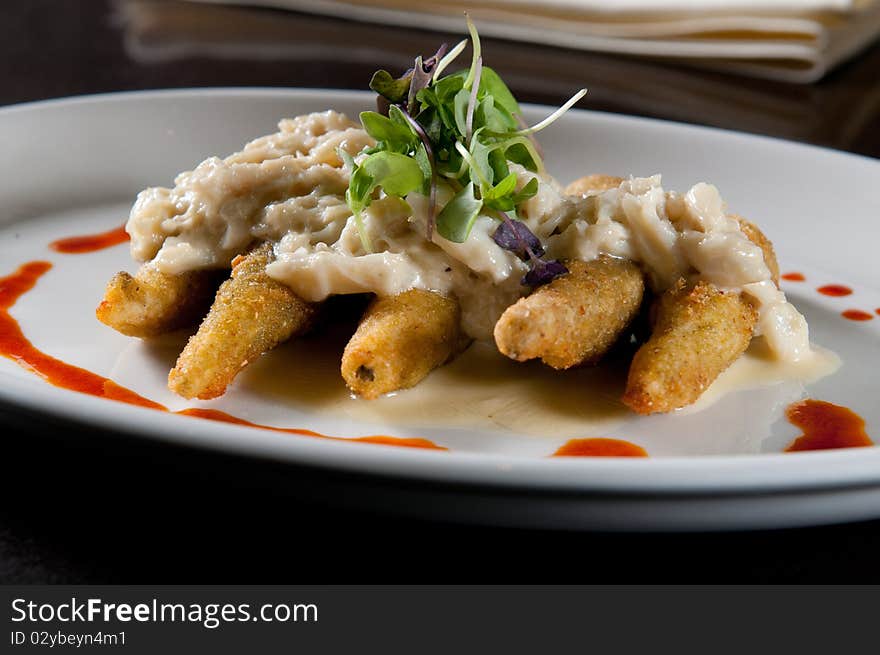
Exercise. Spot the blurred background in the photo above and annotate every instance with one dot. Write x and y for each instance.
(81, 507)
(816, 82)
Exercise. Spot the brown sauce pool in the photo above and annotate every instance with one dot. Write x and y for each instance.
(826, 426)
(90, 242)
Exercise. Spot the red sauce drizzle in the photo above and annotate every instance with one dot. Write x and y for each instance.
(599, 447)
(90, 242)
(836, 290)
(15, 346)
(223, 417)
(793, 277)
(826, 426)
(856, 315)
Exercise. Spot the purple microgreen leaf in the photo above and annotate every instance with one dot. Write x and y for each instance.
(543, 272)
(516, 237)
(382, 105)
(472, 100)
(431, 63)
(420, 80)
(423, 73)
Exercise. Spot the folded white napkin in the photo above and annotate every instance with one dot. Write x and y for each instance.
(791, 40)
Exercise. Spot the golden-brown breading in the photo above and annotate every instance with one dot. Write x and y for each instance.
(592, 183)
(252, 313)
(700, 331)
(400, 340)
(151, 303)
(757, 237)
(577, 317)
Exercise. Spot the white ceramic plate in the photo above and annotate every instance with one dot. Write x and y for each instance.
(74, 166)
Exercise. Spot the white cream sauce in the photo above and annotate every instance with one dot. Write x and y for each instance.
(289, 188)
(482, 389)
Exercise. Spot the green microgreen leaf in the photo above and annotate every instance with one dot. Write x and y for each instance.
(498, 162)
(464, 128)
(475, 43)
(475, 167)
(555, 115)
(460, 105)
(451, 56)
(360, 187)
(500, 197)
(457, 218)
(504, 197)
(392, 89)
(492, 84)
(347, 160)
(397, 174)
(447, 87)
(357, 196)
(480, 161)
(522, 151)
(528, 191)
(424, 162)
(504, 188)
(392, 133)
(493, 117)
(472, 100)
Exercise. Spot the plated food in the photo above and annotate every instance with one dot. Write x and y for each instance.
(439, 206)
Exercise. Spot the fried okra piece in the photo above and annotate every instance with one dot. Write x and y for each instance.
(151, 303)
(754, 234)
(400, 340)
(577, 317)
(700, 331)
(251, 314)
(592, 183)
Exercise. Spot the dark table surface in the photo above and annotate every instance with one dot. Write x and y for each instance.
(79, 507)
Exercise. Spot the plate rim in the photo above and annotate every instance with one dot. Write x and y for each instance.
(713, 474)
(316, 92)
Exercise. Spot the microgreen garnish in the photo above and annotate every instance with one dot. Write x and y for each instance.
(543, 272)
(463, 130)
(516, 237)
